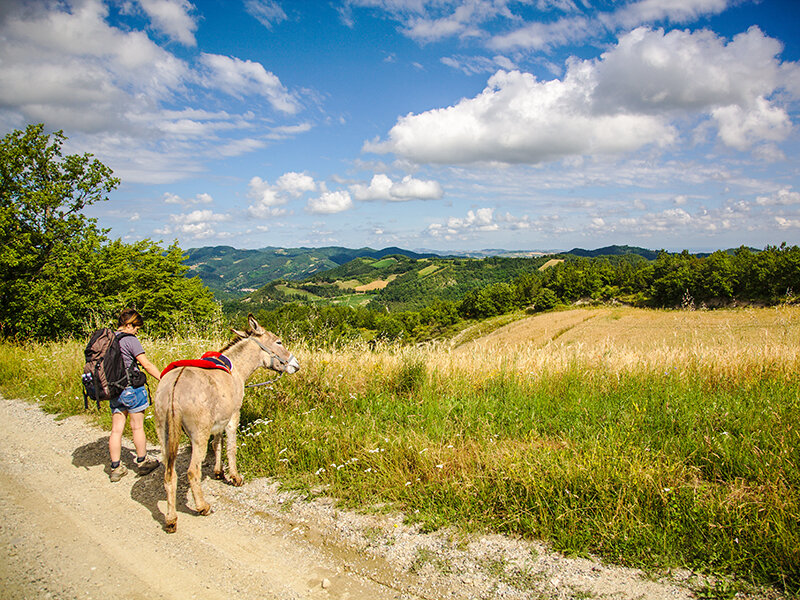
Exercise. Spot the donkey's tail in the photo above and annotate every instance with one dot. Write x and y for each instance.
(172, 430)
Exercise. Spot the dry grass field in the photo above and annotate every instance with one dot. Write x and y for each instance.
(624, 338)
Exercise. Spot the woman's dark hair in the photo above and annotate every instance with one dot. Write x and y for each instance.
(129, 316)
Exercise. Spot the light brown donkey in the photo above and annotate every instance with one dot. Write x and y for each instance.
(206, 402)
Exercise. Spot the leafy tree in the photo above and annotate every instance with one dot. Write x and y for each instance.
(58, 273)
(545, 300)
(42, 194)
(673, 276)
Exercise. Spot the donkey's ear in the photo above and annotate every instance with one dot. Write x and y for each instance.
(254, 326)
(241, 334)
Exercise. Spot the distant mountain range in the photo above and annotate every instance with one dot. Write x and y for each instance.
(229, 271)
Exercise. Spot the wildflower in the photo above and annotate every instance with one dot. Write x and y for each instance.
(320, 470)
(368, 470)
(423, 450)
(408, 483)
(282, 451)
(440, 466)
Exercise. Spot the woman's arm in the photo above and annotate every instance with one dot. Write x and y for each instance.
(148, 366)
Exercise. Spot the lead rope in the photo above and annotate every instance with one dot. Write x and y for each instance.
(252, 385)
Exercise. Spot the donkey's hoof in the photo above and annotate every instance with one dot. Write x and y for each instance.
(219, 475)
(235, 480)
(204, 510)
(171, 527)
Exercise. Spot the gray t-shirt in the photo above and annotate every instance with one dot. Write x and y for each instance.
(131, 347)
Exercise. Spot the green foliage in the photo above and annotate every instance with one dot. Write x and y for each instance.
(545, 300)
(42, 194)
(327, 326)
(767, 276)
(153, 280)
(59, 275)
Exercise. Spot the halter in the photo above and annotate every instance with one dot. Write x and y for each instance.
(273, 358)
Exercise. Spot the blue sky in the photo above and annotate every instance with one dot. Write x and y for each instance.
(438, 124)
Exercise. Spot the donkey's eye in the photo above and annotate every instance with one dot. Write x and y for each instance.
(278, 343)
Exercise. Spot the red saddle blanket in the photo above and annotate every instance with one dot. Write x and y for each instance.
(209, 360)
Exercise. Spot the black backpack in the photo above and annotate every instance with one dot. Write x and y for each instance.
(104, 374)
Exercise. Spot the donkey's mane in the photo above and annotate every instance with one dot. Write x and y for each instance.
(233, 342)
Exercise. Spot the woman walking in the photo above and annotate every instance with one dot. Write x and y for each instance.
(133, 400)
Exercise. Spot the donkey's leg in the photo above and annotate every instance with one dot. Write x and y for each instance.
(230, 438)
(195, 473)
(171, 486)
(216, 442)
(169, 452)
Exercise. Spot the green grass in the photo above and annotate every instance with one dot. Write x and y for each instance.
(650, 468)
(383, 263)
(291, 291)
(428, 270)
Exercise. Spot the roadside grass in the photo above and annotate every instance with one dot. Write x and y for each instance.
(643, 452)
(653, 469)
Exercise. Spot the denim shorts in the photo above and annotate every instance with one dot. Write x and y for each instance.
(132, 400)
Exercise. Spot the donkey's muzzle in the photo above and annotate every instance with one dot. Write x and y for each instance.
(292, 366)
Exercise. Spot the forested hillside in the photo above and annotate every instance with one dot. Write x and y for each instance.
(420, 299)
(234, 272)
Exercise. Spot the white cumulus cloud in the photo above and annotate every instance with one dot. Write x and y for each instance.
(330, 203)
(636, 94)
(136, 105)
(783, 197)
(481, 219)
(518, 119)
(198, 224)
(202, 198)
(383, 188)
(296, 184)
(267, 199)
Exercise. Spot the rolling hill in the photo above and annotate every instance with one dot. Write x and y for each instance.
(234, 272)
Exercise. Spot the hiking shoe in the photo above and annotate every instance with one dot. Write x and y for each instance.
(148, 465)
(118, 473)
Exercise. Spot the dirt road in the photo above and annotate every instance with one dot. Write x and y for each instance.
(67, 532)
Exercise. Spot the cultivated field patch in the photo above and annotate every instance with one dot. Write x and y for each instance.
(378, 284)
